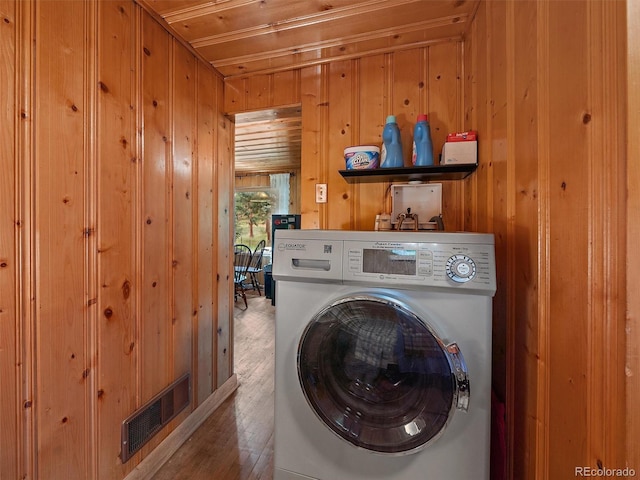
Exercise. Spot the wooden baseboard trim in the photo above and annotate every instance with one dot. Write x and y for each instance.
(163, 452)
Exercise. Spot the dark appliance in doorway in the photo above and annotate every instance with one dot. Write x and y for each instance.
(278, 222)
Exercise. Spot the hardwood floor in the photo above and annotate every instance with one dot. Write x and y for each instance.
(236, 441)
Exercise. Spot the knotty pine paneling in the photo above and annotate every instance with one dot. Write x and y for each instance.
(250, 182)
(204, 171)
(547, 98)
(499, 123)
(314, 109)
(521, 338)
(262, 91)
(223, 243)
(157, 242)
(549, 187)
(112, 174)
(346, 103)
(117, 191)
(341, 78)
(61, 173)
(370, 106)
(182, 191)
(443, 102)
(9, 279)
(566, 193)
(406, 80)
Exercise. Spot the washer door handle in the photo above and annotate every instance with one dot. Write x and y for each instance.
(461, 374)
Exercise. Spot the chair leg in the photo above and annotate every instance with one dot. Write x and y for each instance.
(244, 297)
(255, 283)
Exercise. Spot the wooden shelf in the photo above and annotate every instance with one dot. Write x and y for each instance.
(407, 174)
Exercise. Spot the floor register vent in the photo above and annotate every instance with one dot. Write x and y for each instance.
(149, 419)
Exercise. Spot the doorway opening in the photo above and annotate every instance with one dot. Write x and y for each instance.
(267, 157)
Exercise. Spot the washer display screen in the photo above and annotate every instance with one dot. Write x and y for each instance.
(393, 262)
(376, 375)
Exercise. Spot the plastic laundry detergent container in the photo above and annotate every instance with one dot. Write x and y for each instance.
(362, 157)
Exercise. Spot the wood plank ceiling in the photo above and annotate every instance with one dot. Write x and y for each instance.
(268, 140)
(246, 37)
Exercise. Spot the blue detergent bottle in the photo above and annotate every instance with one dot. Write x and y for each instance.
(391, 155)
(422, 146)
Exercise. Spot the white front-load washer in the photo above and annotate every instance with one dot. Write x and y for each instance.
(383, 355)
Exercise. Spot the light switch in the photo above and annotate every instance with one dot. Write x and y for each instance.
(321, 193)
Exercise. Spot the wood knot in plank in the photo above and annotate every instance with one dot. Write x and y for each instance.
(126, 289)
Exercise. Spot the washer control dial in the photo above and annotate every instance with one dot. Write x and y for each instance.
(460, 268)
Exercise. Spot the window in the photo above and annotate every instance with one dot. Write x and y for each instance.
(253, 216)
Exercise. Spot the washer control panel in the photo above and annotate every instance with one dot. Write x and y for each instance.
(420, 264)
(409, 260)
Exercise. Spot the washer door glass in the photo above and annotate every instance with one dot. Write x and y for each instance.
(377, 375)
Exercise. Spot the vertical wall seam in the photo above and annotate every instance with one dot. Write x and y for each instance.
(137, 78)
(423, 93)
(614, 228)
(324, 139)
(354, 189)
(489, 206)
(593, 108)
(215, 239)
(511, 242)
(195, 228)
(170, 158)
(632, 211)
(18, 229)
(388, 110)
(25, 307)
(91, 222)
(475, 54)
(459, 186)
(25, 77)
(541, 466)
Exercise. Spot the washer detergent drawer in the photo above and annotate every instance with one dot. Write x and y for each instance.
(313, 260)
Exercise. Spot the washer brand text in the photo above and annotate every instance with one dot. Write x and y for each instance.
(292, 246)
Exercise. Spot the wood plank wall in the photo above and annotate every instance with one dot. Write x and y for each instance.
(115, 191)
(545, 86)
(346, 103)
(10, 305)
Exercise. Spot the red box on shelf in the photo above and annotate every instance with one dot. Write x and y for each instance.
(470, 136)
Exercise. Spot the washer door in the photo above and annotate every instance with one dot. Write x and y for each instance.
(378, 376)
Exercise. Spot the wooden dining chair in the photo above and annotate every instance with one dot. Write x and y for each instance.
(241, 260)
(256, 265)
